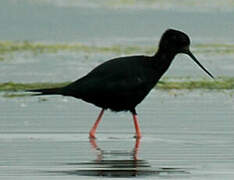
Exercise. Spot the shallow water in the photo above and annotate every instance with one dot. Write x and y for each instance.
(185, 135)
(69, 66)
(25, 20)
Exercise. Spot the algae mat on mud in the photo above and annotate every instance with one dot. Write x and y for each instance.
(164, 84)
(8, 47)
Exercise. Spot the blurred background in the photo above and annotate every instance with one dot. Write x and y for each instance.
(57, 40)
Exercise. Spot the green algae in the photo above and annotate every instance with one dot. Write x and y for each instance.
(8, 47)
(215, 48)
(165, 84)
(36, 47)
(11, 86)
(219, 84)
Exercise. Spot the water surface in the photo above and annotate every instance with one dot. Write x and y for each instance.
(187, 135)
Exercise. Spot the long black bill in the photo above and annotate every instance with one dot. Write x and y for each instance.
(198, 63)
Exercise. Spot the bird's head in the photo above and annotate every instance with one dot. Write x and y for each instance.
(174, 41)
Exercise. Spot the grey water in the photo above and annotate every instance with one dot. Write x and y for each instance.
(186, 134)
(25, 20)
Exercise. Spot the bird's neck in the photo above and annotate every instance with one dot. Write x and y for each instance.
(163, 59)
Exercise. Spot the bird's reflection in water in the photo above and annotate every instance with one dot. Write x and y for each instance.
(114, 163)
(133, 155)
(118, 163)
(117, 166)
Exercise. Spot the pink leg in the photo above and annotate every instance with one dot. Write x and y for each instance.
(137, 126)
(93, 143)
(136, 149)
(93, 130)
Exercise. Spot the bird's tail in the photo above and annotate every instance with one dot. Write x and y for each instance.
(51, 91)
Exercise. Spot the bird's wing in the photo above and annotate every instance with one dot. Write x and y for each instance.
(110, 78)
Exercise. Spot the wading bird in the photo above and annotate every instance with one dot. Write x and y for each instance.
(120, 84)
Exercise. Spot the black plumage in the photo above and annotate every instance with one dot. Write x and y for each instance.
(120, 84)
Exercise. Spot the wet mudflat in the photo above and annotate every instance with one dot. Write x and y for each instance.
(185, 135)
